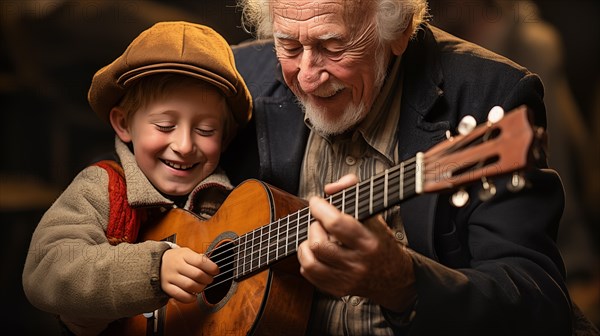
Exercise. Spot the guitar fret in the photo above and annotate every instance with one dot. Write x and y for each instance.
(309, 220)
(264, 240)
(287, 238)
(267, 239)
(294, 236)
(238, 251)
(255, 246)
(277, 239)
(255, 255)
(273, 242)
(280, 236)
(385, 189)
(401, 181)
(378, 189)
(371, 197)
(298, 231)
(248, 256)
(356, 201)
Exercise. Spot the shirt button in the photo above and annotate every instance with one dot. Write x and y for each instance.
(355, 301)
(399, 235)
(350, 160)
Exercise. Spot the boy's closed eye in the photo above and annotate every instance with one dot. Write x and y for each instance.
(205, 131)
(164, 127)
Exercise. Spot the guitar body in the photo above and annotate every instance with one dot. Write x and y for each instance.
(274, 301)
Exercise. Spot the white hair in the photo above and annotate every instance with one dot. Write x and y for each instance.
(392, 17)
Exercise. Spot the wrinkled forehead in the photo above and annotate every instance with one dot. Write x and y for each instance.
(320, 11)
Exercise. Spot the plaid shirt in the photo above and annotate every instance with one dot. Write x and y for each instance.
(369, 149)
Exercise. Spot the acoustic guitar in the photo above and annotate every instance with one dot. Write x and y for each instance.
(256, 232)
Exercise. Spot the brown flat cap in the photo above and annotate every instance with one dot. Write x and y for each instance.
(173, 47)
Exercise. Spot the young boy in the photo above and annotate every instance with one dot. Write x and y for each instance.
(174, 100)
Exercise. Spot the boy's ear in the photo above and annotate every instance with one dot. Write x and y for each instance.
(118, 121)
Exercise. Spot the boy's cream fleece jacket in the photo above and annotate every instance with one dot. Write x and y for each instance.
(72, 271)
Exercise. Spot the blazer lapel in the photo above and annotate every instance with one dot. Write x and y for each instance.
(281, 135)
(422, 89)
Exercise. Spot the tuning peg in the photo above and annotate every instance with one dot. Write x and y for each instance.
(517, 182)
(460, 198)
(488, 191)
(495, 114)
(466, 125)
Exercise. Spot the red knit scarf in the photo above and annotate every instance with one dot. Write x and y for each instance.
(123, 221)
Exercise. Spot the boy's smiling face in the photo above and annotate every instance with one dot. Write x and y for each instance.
(177, 137)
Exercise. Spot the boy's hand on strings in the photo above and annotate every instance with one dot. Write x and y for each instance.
(185, 273)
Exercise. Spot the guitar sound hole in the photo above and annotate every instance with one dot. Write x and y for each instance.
(222, 255)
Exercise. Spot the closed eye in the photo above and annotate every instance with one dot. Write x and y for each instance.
(206, 132)
(288, 47)
(164, 128)
(333, 54)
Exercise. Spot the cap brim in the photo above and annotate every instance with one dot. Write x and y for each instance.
(212, 78)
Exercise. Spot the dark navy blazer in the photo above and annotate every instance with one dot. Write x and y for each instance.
(488, 268)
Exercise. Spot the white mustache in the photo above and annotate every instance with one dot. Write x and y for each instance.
(329, 89)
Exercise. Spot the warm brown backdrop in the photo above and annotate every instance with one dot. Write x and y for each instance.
(49, 51)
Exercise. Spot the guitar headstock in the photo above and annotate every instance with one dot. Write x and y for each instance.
(505, 144)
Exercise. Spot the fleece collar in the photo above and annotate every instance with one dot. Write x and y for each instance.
(141, 193)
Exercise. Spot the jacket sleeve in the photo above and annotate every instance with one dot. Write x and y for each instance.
(513, 281)
(72, 270)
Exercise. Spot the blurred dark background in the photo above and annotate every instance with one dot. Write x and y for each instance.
(49, 51)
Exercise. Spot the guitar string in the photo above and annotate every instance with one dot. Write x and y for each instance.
(337, 197)
(302, 231)
(301, 234)
(456, 146)
(334, 200)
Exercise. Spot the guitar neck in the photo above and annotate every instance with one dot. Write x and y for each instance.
(268, 244)
(491, 149)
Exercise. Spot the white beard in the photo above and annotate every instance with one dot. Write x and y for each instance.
(353, 113)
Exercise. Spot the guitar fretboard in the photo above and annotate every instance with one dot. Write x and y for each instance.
(265, 245)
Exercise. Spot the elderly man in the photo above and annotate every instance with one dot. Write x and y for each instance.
(356, 87)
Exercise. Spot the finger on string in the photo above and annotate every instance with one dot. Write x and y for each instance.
(311, 263)
(344, 182)
(202, 262)
(343, 227)
(328, 249)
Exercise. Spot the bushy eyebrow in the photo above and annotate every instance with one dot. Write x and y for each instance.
(282, 36)
(329, 36)
(324, 37)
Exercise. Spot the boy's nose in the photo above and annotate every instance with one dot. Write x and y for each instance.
(182, 143)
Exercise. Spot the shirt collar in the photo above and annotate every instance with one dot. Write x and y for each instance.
(382, 120)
